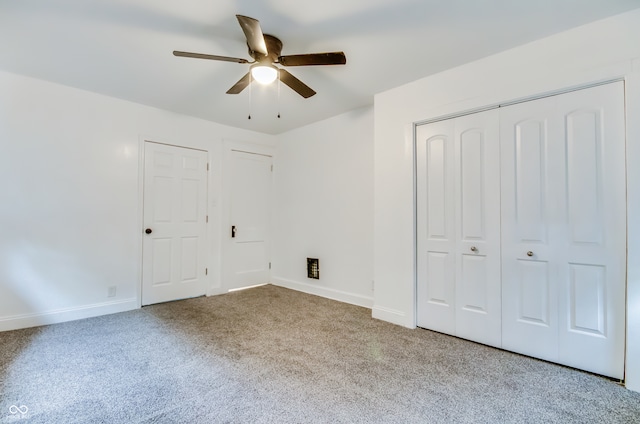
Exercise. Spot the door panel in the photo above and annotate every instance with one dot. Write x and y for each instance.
(174, 253)
(477, 213)
(530, 179)
(533, 290)
(586, 299)
(438, 283)
(435, 227)
(161, 273)
(250, 207)
(473, 287)
(437, 185)
(593, 266)
(584, 191)
(472, 170)
(529, 283)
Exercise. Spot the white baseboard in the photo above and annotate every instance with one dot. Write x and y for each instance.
(391, 315)
(67, 314)
(341, 296)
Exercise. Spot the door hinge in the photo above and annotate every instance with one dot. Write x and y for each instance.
(207, 220)
(271, 168)
(269, 265)
(206, 271)
(207, 166)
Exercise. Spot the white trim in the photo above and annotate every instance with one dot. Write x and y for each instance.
(176, 145)
(632, 104)
(518, 100)
(140, 238)
(246, 288)
(410, 135)
(252, 153)
(214, 199)
(247, 147)
(392, 316)
(67, 314)
(339, 295)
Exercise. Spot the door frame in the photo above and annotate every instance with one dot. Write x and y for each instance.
(209, 235)
(229, 146)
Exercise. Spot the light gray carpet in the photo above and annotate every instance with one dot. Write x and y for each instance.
(272, 355)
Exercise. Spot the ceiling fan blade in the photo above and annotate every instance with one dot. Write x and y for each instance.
(296, 85)
(333, 58)
(209, 56)
(240, 85)
(253, 33)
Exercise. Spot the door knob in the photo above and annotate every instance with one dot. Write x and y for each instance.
(474, 249)
(148, 231)
(529, 253)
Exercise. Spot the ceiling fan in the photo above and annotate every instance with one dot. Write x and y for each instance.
(265, 50)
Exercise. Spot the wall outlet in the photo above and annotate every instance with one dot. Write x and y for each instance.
(111, 291)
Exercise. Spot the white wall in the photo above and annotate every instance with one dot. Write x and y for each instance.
(323, 207)
(595, 52)
(70, 218)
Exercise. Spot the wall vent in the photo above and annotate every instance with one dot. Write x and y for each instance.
(313, 268)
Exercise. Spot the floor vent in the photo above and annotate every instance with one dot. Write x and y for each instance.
(313, 268)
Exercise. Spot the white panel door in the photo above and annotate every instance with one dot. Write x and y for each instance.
(175, 204)
(530, 224)
(477, 217)
(436, 240)
(458, 227)
(564, 229)
(593, 276)
(248, 241)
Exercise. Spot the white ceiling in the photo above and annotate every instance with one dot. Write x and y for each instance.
(123, 48)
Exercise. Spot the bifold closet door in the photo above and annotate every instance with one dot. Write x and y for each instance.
(436, 239)
(458, 211)
(564, 228)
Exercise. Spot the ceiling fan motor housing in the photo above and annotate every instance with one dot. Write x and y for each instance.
(274, 48)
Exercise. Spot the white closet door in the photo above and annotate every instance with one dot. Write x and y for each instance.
(564, 231)
(458, 210)
(435, 227)
(529, 175)
(593, 264)
(477, 217)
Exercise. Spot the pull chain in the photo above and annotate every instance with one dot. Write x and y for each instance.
(278, 94)
(250, 76)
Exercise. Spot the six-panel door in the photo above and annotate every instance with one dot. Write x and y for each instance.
(174, 243)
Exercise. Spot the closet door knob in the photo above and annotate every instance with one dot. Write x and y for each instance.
(529, 253)
(474, 249)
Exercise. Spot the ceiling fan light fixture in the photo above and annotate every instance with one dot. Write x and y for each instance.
(266, 50)
(264, 74)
